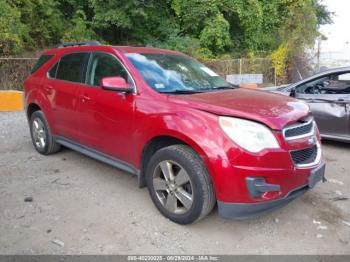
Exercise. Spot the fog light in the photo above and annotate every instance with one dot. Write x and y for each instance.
(257, 186)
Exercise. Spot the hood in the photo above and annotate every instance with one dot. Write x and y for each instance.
(275, 111)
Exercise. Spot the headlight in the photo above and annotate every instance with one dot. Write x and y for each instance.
(249, 135)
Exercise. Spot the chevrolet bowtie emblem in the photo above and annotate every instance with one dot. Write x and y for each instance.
(312, 141)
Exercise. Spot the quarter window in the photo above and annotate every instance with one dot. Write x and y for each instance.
(42, 60)
(105, 65)
(71, 67)
(53, 70)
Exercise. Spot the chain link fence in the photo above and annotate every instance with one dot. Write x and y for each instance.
(244, 66)
(13, 71)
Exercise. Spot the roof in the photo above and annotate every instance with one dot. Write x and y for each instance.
(125, 49)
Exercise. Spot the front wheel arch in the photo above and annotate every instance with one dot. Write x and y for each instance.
(159, 142)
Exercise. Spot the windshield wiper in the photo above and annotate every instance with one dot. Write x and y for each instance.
(203, 90)
(225, 87)
(222, 87)
(179, 91)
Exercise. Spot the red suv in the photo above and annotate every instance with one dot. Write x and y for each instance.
(192, 138)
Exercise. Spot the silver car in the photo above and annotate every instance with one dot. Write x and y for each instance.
(328, 94)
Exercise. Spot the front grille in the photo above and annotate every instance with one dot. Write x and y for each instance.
(304, 156)
(299, 130)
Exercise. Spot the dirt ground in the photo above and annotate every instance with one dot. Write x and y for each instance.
(81, 206)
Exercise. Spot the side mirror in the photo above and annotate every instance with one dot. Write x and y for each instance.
(116, 83)
(292, 92)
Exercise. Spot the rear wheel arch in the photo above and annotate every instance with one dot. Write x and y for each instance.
(32, 107)
(36, 101)
(41, 135)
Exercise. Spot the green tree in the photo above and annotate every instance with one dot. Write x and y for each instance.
(43, 20)
(215, 36)
(204, 28)
(79, 29)
(12, 31)
(297, 28)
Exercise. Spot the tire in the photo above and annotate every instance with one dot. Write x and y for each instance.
(42, 138)
(182, 201)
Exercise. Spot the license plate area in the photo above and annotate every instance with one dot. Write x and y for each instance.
(317, 175)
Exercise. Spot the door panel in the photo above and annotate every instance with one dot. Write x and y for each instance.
(63, 96)
(329, 98)
(63, 83)
(106, 117)
(331, 113)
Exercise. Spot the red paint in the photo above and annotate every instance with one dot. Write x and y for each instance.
(122, 124)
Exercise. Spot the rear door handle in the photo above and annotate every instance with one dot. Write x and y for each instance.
(48, 88)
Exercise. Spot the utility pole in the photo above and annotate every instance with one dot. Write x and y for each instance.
(319, 40)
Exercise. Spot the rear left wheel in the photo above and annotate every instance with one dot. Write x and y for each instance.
(42, 138)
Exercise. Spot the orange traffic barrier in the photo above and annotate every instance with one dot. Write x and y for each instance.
(249, 85)
(11, 100)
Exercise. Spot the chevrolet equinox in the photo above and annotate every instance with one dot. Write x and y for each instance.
(188, 135)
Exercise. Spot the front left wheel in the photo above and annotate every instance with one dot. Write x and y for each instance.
(42, 138)
(179, 184)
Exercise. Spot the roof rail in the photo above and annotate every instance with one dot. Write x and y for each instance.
(142, 45)
(77, 44)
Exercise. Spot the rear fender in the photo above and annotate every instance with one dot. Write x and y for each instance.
(35, 96)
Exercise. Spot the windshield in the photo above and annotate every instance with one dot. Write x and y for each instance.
(167, 73)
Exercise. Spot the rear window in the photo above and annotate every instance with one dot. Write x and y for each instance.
(41, 61)
(71, 67)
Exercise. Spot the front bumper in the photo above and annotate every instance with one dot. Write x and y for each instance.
(250, 210)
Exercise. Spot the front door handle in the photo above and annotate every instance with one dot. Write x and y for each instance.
(85, 98)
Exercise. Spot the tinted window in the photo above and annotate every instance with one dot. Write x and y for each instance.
(53, 70)
(105, 65)
(71, 67)
(42, 60)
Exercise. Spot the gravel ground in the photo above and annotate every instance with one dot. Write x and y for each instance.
(81, 206)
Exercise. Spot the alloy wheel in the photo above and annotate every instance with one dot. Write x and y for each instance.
(173, 187)
(39, 134)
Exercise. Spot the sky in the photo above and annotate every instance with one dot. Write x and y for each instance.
(338, 33)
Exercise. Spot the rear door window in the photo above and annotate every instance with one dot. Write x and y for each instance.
(41, 61)
(71, 67)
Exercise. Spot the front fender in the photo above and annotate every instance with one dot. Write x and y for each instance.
(196, 128)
